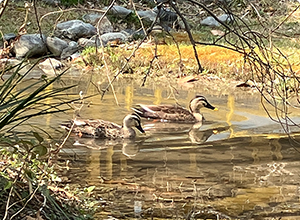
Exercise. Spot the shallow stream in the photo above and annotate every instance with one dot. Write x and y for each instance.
(238, 165)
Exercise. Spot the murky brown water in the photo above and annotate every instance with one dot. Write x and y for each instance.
(239, 165)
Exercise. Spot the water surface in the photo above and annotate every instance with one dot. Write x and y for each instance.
(238, 165)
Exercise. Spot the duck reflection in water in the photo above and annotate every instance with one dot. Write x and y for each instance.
(198, 136)
(182, 133)
(129, 147)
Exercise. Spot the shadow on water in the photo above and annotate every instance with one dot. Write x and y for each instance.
(238, 164)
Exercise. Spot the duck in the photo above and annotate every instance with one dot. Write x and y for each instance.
(175, 113)
(98, 128)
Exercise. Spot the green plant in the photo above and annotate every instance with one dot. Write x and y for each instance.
(17, 106)
(26, 169)
(24, 178)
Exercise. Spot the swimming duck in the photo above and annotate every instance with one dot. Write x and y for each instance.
(98, 128)
(175, 113)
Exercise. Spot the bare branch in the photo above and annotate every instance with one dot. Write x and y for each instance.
(187, 28)
(3, 6)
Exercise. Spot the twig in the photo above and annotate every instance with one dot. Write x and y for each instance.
(287, 17)
(22, 29)
(187, 28)
(98, 23)
(178, 49)
(37, 21)
(2, 9)
(135, 11)
(67, 10)
(130, 57)
(72, 126)
(103, 57)
(31, 196)
(8, 200)
(150, 66)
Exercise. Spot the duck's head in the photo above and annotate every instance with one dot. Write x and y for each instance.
(133, 120)
(199, 102)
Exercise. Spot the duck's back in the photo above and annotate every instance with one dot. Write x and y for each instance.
(174, 113)
(95, 128)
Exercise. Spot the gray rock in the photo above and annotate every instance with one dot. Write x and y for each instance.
(10, 36)
(105, 25)
(133, 34)
(91, 18)
(56, 45)
(148, 15)
(75, 29)
(30, 45)
(84, 42)
(118, 11)
(210, 21)
(73, 44)
(226, 18)
(105, 38)
(112, 37)
(71, 49)
(166, 17)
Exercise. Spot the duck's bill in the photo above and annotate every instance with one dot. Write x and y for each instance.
(139, 127)
(211, 107)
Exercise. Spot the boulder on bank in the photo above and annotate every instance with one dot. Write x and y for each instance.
(115, 36)
(211, 21)
(56, 45)
(30, 45)
(119, 37)
(147, 15)
(105, 25)
(72, 48)
(74, 30)
(118, 11)
(91, 42)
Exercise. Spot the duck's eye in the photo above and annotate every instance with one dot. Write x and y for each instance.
(204, 103)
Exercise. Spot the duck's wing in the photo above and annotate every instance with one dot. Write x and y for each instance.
(107, 129)
(164, 112)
